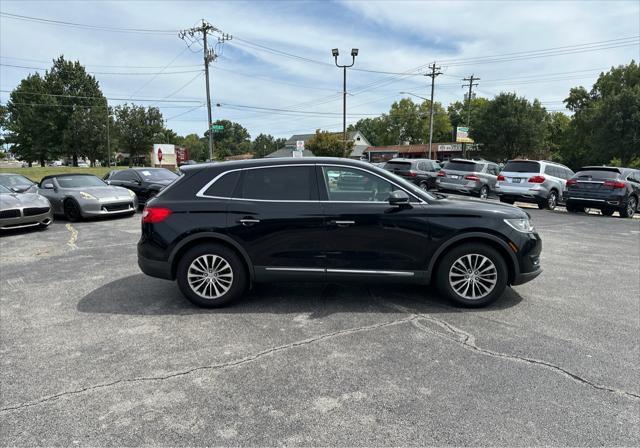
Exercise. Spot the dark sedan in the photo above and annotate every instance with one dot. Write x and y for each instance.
(144, 182)
(609, 189)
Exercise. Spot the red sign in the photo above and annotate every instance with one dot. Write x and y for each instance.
(159, 155)
(182, 155)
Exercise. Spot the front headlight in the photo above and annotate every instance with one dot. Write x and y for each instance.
(131, 193)
(521, 225)
(84, 195)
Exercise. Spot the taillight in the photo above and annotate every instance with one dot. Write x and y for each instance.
(571, 182)
(441, 173)
(614, 184)
(412, 173)
(501, 177)
(472, 177)
(537, 179)
(153, 215)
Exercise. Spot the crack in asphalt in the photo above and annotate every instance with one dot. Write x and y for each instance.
(220, 366)
(468, 341)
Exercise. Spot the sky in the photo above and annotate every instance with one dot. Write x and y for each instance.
(276, 75)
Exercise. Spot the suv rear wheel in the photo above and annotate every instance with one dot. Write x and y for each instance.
(551, 202)
(484, 192)
(211, 275)
(472, 275)
(630, 208)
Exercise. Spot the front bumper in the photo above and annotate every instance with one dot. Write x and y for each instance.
(525, 277)
(104, 208)
(22, 222)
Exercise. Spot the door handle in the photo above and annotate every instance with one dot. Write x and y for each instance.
(248, 221)
(342, 223)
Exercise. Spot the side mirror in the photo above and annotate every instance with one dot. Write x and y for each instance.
(398, 197)
(47, 185)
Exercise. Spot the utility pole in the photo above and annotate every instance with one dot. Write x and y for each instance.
(471, 84)
(209, 56)
(435, 71)
(335, 53)
(106, 104)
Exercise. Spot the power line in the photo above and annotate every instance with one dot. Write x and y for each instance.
(151, 100)
(85, 26)
(185, 85)
(107, 73)
(159, 73)
(149, 67)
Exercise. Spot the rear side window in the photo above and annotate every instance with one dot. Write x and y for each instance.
(398, 166)
(123, 175)
(522, 166)
(291, 183)
(493, 169)
(462, 166)
(224, 186)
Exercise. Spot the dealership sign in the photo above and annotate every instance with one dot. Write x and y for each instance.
(462, 135)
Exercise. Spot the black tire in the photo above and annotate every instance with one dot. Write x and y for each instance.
(629, 209)
(239, 277)
(571, 208)
(507, 201)
(607, 211)
(424, 185)
(72, 210)
(551, 202)
(484, 192)
(454, 256)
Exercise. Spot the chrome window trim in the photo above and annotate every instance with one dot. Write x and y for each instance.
(201, 192)
(341, 271)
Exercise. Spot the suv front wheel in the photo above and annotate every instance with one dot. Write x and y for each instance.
(472, 275)
(211, 275)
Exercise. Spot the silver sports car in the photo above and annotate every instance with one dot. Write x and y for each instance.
(18, 210)
(78, 196)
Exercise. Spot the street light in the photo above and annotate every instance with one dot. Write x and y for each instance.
(430, 116)
(335, 53)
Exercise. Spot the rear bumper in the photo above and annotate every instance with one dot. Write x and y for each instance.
(154, 268)
(609, 202)
(522, 193)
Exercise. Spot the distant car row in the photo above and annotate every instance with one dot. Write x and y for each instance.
(75, 196)
(544, 183)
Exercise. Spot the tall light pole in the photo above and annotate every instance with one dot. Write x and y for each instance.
(335, 53)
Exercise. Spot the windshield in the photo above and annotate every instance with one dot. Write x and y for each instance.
(4, 189)
(80, 181)
(462, 166)
(522, 167)
(14, 180)
(157, 175)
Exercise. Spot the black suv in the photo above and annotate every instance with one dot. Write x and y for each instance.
(221, 227)
(608, 188)
(422, 172)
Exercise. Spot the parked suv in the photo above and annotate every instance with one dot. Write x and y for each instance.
(476, 177)
(223, 227)
(422, 172)
(609, 189)
(540, 182)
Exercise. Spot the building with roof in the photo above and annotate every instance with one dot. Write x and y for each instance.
(439, 151)
(360, 142)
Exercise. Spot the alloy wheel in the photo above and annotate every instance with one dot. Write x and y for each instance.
(473, 276)
(631, 207)
(484, 193)
(552, 201)
(210, 276)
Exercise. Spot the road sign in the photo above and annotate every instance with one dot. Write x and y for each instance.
(160, 155)
(217, 127)
(300, 145)
(297, 153)
(462, 135)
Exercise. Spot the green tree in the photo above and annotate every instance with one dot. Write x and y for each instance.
(198, 146)
(136, 127)
(76, 93)
(263, 145)
(441, 123)
(459, 111)
(86, 134)
(510, 126)
(234, 139)
(606, 120)
(328, 144)
(30, 120)
(556, 137)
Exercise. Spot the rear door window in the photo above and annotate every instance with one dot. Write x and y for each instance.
(289, 183)
(522, 166)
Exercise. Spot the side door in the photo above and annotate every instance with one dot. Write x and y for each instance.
(367, 235)
(276, 217)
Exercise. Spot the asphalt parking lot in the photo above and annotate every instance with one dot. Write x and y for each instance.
(95, 353)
